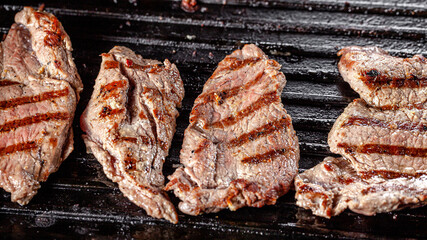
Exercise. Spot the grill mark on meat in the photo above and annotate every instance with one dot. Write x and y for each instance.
(5, 83)
(158, 114)
(361, 121)
(38, 118)
(151, 120)
(163, 145)
(387, 174)
(53, 141)
(262, 131)
(129, 63)
(306, 189)
(384, 149)
(109, 112)
(374, 79)
(33, 99)
(129, 139)
(155, 68)
(235, 64)
(261, 102)
(181, 186)
(219, 97)
(130, 163)
(111, 64)
(149, 90)
(264, 157)
(18, 147)
(145, 140)
(54, 34)
(395, 107)
(110, 90)
(142, 115)
(130, 98)
(142, 139)
(202, 146)
(328, 167)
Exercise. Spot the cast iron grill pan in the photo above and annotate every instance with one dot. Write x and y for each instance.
(303, 36)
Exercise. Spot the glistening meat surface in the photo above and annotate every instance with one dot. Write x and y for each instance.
(381, 140)
(334, 185)
(39, 88)
(385, 81)
(130, 122)
(240, 148)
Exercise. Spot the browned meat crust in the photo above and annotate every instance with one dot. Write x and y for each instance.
(240, 148)
(385, 81)
(130, 122)
(39, 88)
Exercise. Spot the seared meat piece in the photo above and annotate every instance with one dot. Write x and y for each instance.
(130, 122)
(240, 148)
(38, 95)
(385, 81)
(385, 143)
(334, 185)
(381, 140)
(37, 46)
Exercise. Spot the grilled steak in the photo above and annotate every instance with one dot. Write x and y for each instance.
(130, 122)
(240, 148)
(334, 185)
(385, 81)
(384, 145)
(39, 87)
(381, 140)
(37, 46)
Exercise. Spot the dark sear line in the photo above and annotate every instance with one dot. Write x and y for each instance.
(108, 90)
(155, 68)
(264, 157)
(111, 64)
(38, 118)
(361, 121)
(18, 147)
(202, 146)
(255, 134)
(33, 99)
(387, 174)
(130, 163)
(129, 139)
(54, 34)
(384, 149)
(261, 102)
(219, 97)
(143, 140)
(5, 83)
(109, 112)
(395, 107)
(374, 79)
(264, 130)
(163, 145)
(236, 64)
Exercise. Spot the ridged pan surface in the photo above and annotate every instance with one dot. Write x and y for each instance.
(303, 36)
